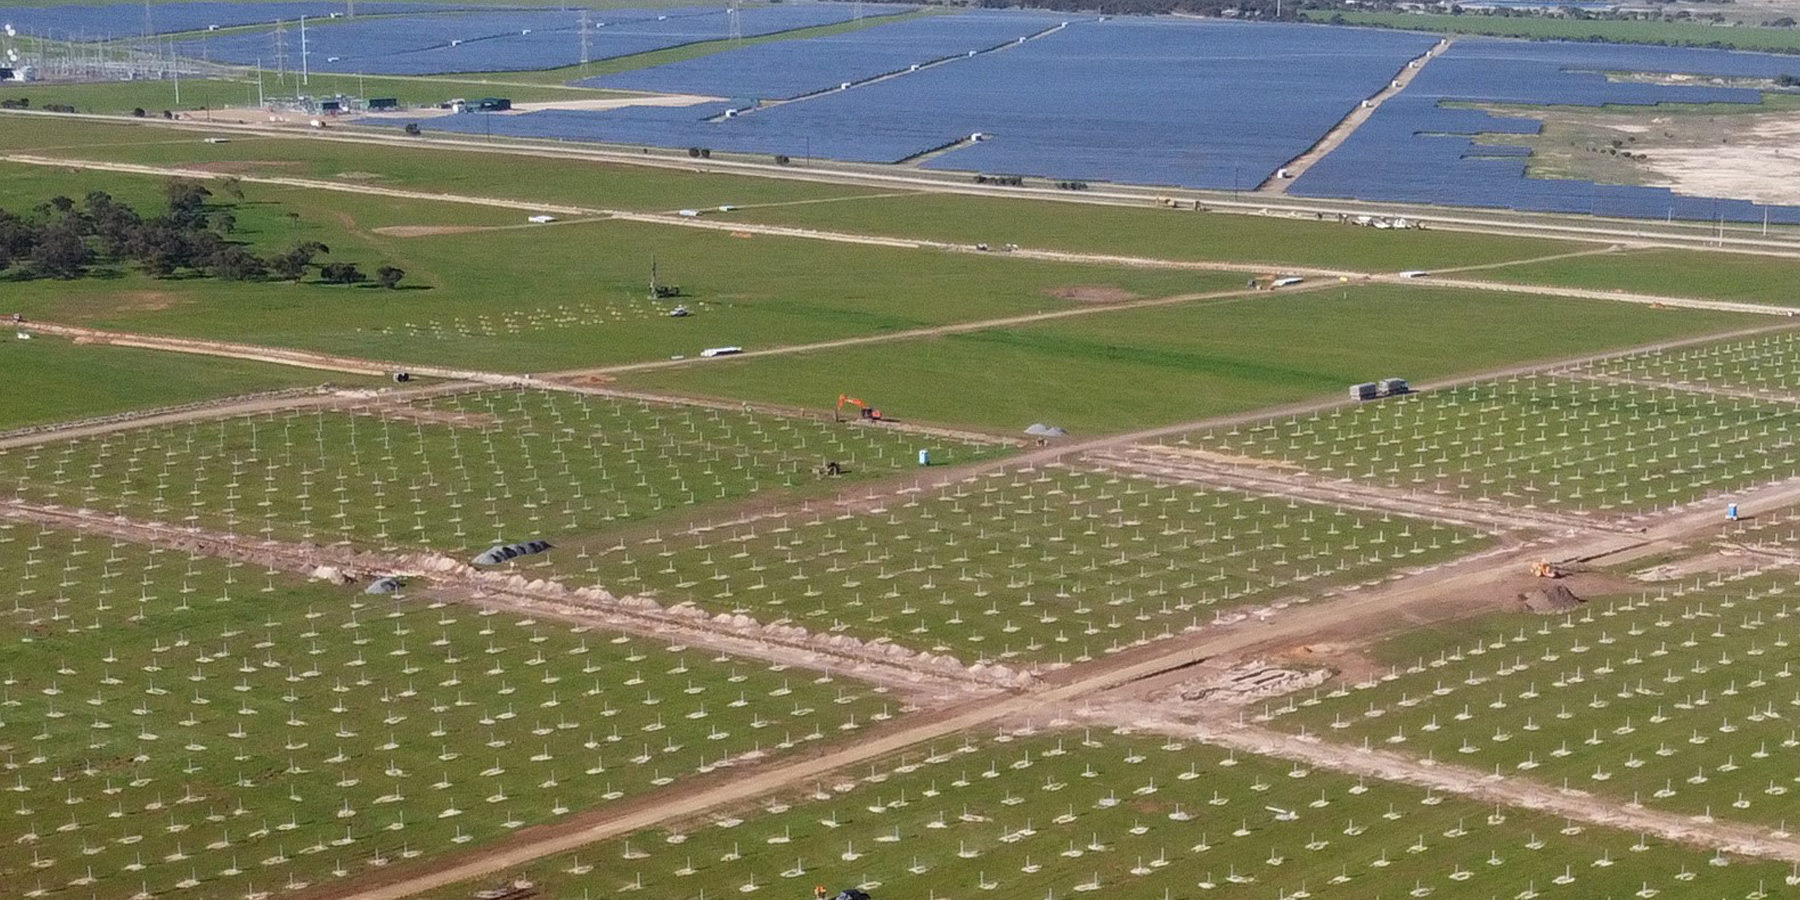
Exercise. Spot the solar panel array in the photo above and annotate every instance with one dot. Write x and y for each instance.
(786, 69)
(510, 41)
(1414, 149)
(1205, 104)
(127, 20)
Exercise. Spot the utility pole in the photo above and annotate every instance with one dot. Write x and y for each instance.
(737, 24)
(260, 104)
(305, 75)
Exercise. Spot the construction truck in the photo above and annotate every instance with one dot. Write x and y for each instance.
(821, 893)
(1547, 569)
(831, 468)
(863, 409)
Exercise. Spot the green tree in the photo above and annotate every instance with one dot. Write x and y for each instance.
(389, 277)
(61, 253)
(342, 273)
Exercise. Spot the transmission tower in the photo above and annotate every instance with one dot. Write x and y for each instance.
(737, 24)
(281, 53)
(586, 23)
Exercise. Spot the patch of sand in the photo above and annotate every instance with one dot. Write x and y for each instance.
(1091, 293)
(144, 301)
(617, 102)
(1761, 164)
(429, 230)
(240, 166)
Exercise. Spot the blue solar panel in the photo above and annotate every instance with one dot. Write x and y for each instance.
(787, 69)
(1206, 104)
(1414, 149)
(512, 41)
(127, 20)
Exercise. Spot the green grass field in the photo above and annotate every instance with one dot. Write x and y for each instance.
(1163, 233)
(1133, 815)
(587, 304)
(1035, 566)
(1760, 366)
(1574, 445)
(1667, 698)
(413, 167)
(1671, 273)
(457, 474)
(188, 724)
(1680, 34)
(1141, 368)
(51, 380)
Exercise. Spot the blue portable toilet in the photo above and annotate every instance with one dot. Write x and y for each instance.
(924, 457)
(1731, 514)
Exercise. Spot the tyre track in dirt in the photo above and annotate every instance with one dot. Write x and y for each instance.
(1448, 778)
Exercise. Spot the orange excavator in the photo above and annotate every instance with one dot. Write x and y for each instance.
(866, 411)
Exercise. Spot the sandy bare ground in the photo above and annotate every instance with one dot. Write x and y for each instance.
(1341, 132)
(1761, 165)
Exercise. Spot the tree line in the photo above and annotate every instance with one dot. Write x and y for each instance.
(67, 239)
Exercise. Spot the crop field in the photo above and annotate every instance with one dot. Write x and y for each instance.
(1047, 565)
(1155, 366)
(1760, 367)
(1063, 813)
(49, 380)
(1540, 442)
(181, 725)
(1677, 697)
(457, 473)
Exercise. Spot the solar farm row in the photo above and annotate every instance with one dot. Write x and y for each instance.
(1205, 104)
(510, 41)
(103, 21)
(1416, 149)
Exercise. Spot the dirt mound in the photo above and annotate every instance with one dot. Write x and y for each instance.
(1092, 293)
(1556, 598)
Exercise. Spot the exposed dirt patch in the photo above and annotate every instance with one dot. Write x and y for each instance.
(408, 231)
(241, 166)
(1092, 293)
(144, 301)
(406, 412)
(360, 176)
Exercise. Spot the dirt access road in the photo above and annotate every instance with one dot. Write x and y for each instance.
(1339, 133)
(1701, 236)
(677, 220)
(1127, 675)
